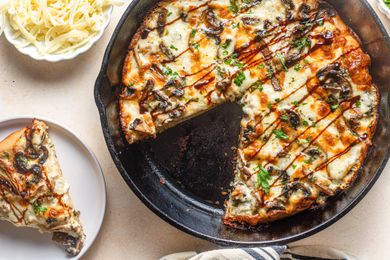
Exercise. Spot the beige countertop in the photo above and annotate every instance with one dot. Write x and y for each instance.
(64, 92)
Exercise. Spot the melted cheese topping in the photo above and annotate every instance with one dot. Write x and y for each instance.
(297, 70)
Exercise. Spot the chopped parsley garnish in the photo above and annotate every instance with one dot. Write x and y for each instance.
(196, 46)
(221, 72)
(173, 47)
(167, 71)
(38, 208)
(233, 6)
(269, 105)
(309, 161)
(294, 166)
(226, 44)
(387, 3)
(263, 178)
(306, 62)
(305, 123)
(295, 103)
(284, 117)
(257, 85)
(302, 43)
(193, 33)
(282, 60)
(321, 22)
(277, 99)
(170, 13)
(280, 134)
(359, 103)
(297, 67)
(261, 66)
(234, 62)
(236, 25)
(239, 79)
(334, 107)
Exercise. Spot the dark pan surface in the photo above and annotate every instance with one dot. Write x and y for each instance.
(182, 175)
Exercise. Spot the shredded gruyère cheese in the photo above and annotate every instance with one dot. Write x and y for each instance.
(54, 26)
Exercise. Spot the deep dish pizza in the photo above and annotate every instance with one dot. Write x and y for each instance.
(299, 73)
(33, 192)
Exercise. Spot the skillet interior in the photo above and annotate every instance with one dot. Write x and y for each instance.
(182, 174)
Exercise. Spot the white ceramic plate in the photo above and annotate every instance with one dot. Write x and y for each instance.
(87, 188)
(383, 8)
(34, 53)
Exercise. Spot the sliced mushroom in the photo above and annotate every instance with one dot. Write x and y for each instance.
(304, 12)
(167, 52)
(161, 21)
(289, 4)
(250, 20)
(333, 78)
(21, 162)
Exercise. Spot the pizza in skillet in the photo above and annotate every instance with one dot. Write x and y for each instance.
(299, 73)
(33, 192)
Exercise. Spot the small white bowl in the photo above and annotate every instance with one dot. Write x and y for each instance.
(383, 8)
(32, 51)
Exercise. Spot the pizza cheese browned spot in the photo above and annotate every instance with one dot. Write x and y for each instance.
(33, 192)
(310, 108)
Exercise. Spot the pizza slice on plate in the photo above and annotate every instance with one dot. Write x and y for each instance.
(33, 192)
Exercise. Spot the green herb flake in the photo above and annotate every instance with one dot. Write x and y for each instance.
(280, 134)
(226, 44)
(167, 71)
(359, 103)
(305, 123)
(239, 79)
(334, 107)
(295, 103)
(236, 25)
(302, 43)
(170, 13)
(173, 47)
(263, 178)
(282, 60)
(297, 67)
(261, 66)
(38, 208)
(233, 6)
(193, 33)
(284, 117)
(294, 166)
(196, 46)
(257, 85)
(269, 105)
(309, 161)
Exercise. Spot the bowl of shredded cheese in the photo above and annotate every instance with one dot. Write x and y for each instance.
(54, 30)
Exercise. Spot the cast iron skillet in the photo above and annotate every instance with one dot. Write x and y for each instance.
(182, 174)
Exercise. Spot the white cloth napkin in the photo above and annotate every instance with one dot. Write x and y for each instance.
(266, 253)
